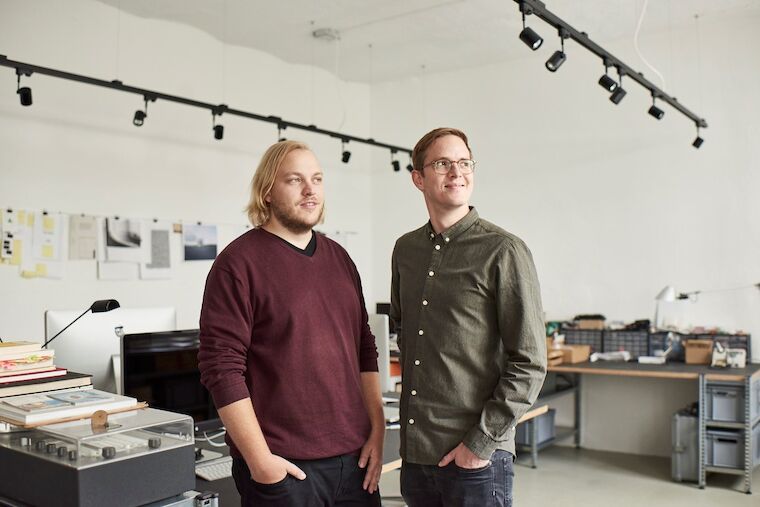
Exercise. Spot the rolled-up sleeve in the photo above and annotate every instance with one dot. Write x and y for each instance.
(225, 335)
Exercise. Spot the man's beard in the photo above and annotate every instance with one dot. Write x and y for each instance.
(291, 221)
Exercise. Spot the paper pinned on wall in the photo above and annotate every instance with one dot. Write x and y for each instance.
(48, 238)
(126, 240)
(200, 242)
(83, 237)
(160, 265)
(13, 227)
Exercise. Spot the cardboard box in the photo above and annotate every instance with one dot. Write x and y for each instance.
(596, 324)
(575, 353)
(698, 351)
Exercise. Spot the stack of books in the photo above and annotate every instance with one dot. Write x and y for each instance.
(61, 405)
(26, 368)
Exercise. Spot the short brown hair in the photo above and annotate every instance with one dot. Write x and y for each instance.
(420, 149)
(263, 179)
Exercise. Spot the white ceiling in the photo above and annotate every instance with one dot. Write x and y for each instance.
(391, 39)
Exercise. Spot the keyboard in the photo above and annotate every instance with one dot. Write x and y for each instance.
(214, 469)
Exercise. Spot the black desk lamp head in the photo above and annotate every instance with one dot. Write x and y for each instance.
(99, 306)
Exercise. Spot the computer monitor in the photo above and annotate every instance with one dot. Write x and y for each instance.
(92, 344)
(162, 369)
(385, 309)
(378, 324)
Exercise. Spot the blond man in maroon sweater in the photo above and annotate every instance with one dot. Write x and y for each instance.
(286, 351)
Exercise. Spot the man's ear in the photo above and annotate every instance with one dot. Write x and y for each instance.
(417, 179)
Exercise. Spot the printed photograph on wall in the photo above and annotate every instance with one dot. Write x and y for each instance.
(126, 240)
(200, 242)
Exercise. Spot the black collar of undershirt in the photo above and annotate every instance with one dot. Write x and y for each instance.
(310, 248)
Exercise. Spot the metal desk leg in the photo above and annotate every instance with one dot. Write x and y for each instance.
(533, 428)
(748, 465)
(701, 439)
(577, 418)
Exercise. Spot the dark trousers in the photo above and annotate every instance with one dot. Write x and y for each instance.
(329, 482)
(451, 486)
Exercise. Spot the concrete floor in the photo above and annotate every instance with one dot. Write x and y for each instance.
(568, 477)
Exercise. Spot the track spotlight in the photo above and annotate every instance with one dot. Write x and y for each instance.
(606, 81)
(395, 163)
(558, 58)
(698, 141)
(24, 92)
(656, 111)
(218, 129)
(528, 36)
(280, 128)
(409, 166)
(140, 116)
(346, 155)
(619, 92)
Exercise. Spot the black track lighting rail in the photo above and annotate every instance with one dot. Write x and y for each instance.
(216, 109)
(539, 9)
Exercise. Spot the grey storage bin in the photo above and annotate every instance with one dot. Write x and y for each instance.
(724, 402)
(546, 431)
(724, 448)
(684, 459)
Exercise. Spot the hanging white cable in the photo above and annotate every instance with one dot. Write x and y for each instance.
(339, 84)
(636, 45)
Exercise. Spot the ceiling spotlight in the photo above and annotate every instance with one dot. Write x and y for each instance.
(559, 57)
(280, 128)
(409, 167)
(346, 155)
(395, 163)
(24, 92)
(656, 111)
(528, 36)
(140, 116)
(619, 93)
(698, 141)
(606, 81)
(218, 129)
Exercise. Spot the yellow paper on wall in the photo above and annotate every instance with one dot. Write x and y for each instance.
(16, 258)
(48, 223)
(42, 270)
(47, 251)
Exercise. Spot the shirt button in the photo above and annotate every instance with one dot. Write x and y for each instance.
(431, 273)
(432, 235)
(424, 302)
(411, 421)
(421, 332)
(437, 247)
(446, 240)
(414, 392)
(416, 362)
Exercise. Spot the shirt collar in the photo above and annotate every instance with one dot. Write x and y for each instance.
(455, 230)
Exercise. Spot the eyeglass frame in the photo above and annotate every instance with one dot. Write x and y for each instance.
(451, 163)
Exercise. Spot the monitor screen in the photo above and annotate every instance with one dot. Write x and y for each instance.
(161, 368)
(92, 344)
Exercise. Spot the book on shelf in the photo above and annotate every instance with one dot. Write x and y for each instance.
(35, 373)
(26, 360)
(69, 380)
(41, 408)
(17, 347)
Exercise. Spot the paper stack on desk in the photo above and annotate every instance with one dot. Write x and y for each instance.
(58, 405)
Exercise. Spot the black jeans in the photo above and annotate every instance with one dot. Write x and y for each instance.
(329, 482)
(451, 486)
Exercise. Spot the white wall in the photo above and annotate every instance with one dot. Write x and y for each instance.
(76, 150)
(614, 204)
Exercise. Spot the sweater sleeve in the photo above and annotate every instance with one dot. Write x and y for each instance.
(225, 336)
(367, 348)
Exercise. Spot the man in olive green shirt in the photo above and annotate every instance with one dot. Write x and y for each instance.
(466, 300)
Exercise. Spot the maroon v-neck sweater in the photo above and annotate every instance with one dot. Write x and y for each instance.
(289, 331)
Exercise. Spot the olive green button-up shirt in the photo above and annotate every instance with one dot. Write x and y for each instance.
(467, 306)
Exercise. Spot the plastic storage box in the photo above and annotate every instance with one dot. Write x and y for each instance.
(724, 448)
(545, 429)
(591, 337)
(725, 402)
(635, 342)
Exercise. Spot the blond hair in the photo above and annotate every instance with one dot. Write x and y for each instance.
(263, 179)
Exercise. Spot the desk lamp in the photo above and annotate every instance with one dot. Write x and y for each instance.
(99, 306)
(667, 294)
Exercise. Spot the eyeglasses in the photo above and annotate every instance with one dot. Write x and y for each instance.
(443, 166)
